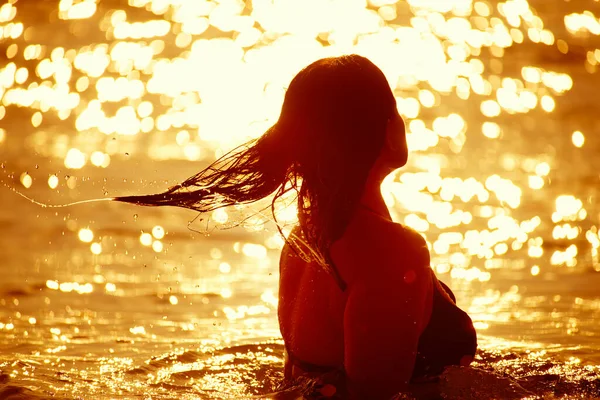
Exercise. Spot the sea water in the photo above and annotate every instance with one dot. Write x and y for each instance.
(107, 300)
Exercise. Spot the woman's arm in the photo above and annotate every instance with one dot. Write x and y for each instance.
(384, 317)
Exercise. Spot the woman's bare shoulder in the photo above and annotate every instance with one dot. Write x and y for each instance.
(385, 249)
(383, 233)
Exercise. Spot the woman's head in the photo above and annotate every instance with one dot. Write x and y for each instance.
(336, 114)
(338, 120)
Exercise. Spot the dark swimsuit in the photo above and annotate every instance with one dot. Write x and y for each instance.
(448, 339)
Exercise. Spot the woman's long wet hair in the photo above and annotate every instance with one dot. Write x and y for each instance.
(330, 132)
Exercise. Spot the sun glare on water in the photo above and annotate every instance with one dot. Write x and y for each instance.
(188, 80)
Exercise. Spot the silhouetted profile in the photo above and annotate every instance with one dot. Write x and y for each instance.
(357, 294)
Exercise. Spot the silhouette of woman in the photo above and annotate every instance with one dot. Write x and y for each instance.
(356, 294)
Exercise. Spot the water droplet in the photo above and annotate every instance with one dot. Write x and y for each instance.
(37, 166)
(126, 154)
(135, 217)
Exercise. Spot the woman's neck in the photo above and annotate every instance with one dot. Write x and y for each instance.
(371, 198)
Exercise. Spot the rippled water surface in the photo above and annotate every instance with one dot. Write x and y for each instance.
(99, 99)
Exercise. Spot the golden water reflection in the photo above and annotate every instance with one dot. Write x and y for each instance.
(155, 82)
(134, 82)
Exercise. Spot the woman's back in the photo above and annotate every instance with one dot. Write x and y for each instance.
(312, 307)
(394, 321)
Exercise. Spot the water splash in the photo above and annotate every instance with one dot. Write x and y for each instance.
(47, 205)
